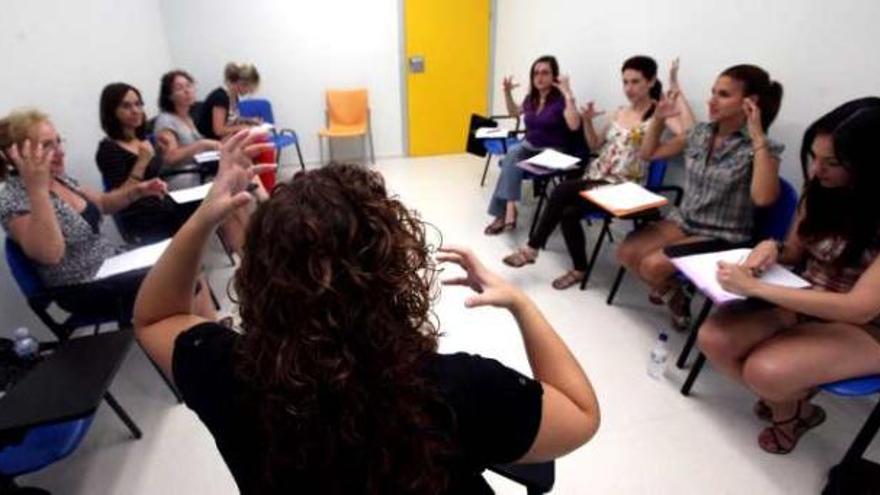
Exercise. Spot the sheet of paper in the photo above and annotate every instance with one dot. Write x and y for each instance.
(136, 259)
(491, 133)
(554, 160)
(207, 156)
(702, 270)
(625, 198)
(190, 194)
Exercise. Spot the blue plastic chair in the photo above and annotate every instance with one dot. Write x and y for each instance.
(262, 108)
(770, 223)
(40, 298)
(653, 182)
(499, 147)
(40, 447)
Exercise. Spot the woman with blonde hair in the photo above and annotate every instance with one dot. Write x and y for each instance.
(218, 117)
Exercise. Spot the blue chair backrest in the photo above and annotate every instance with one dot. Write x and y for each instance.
(656, 173)
(257, 107)
(774, 221)
(23, 270)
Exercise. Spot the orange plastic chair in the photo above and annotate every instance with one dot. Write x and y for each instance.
(347, 115)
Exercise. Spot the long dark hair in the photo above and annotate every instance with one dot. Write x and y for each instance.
(111, 97)
(647, 66)
(335, 291)
(756, 82)
(851, 211)
(166, 87)
(534, 97)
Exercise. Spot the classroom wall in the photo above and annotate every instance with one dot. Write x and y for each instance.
(58, 55)
(822, 52)
(300, 49)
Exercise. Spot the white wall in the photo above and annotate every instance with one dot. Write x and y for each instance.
(301, 49)
(58, 55)
(822, 52)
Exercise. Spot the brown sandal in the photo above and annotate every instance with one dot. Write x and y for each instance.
(498, 226)
(519, 258)
(769, 439)
(570, 278)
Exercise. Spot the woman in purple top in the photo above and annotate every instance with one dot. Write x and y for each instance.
(550, 114)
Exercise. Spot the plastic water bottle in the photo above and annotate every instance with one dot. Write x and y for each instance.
(26, 347)
(659, 354)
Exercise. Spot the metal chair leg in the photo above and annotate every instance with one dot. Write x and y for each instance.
(592, 261)
(864, 437)
(692, 337)
(132, 427)
(372, 150)
(537, 214)
(618, 279)
(299, 154)
(486, 169)
(692, 376)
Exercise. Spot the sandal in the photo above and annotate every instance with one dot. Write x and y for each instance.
(498, 226)
(570, 278)
(769, 439)
(519, 258)
(658, 296)
(763, 411)
(679, 303)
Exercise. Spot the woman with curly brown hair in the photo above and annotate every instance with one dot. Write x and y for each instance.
(336, 385)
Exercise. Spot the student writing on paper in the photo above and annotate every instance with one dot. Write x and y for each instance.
(336, 384)
(126, 158)
(177, 137)
(550, 114)
(794, 340)
(617, 162)
(731, 168)
(218, 116)
(57, 222)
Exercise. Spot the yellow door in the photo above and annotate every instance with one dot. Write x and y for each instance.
(447, 64)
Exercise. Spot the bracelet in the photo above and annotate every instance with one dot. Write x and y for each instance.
(764, 145)
(137, 178)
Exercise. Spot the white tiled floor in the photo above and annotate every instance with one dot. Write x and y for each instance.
(652, 439)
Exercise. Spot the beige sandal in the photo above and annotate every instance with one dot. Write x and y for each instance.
(570, 278)
(519, 258)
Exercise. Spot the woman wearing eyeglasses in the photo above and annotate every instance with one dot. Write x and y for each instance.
(57, 222)
(550, 115)
(126, 158)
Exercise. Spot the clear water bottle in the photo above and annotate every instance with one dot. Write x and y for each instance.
(659, 354)
(26, 347)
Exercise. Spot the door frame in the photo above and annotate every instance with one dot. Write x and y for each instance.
(404, 67)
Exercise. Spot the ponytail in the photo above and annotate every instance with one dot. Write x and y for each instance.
(756, 82)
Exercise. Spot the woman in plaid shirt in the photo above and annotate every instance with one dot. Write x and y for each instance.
(731, 168)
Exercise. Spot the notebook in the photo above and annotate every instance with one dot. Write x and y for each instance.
(190, 194)
(135, 259)
(624, 199)
(702, 270)
(553, 159)
(491, 133)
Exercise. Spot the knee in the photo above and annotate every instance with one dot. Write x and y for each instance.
(626, 253)
(768, 377)
(655, 267)
(714, 339)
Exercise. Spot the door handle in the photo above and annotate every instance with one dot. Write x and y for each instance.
(416, 64)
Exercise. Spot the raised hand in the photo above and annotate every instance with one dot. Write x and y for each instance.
(673, 76)
(145, 150)
(564, 86)
(667, 106)
(590, 112)
(235, 172)
(508, 84)
(491, 289)
(34, 164)
(151, 188)
(753, 121)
